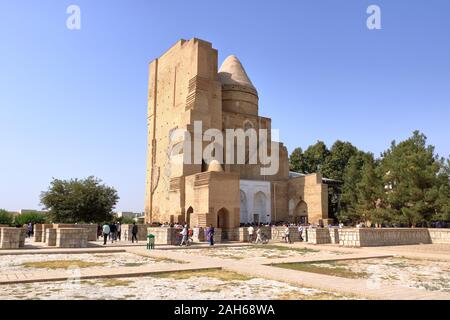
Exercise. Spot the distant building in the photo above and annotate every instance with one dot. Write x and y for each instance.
(129, 214)
(22, 211)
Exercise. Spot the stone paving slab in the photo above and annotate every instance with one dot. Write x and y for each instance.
(358, 287)
(322, 258)
(60, 251)
(123, 272)
(251, 267)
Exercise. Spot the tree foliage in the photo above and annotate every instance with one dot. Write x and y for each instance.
(85, 200)
(5, 217)
(33, 217)
(408, 184)
(311, 160)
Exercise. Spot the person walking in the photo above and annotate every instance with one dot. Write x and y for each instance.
(251, 232)
(106, 230)
(134, 232)
(112, 229)
(184, 234)
(99, 231)
(287, 234)
(29, 230)
(300, 232)
(119, 231)
(259, 236)
(210, 234)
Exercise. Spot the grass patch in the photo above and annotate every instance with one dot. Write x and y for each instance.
(113, 282)
(134, 264)
(211, 290)
(218, 274)
(314, 296)
(160, 259)
(61, 264)
(283, 248)
(332, 268)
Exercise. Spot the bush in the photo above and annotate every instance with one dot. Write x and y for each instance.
(125, 220)
(6, 217)
(33, 217)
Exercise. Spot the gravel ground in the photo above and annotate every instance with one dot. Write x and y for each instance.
(411, 273)
(238, 253)
(201, 287)
(15, 263)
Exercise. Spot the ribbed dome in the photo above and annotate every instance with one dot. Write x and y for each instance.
(233, 73)
(214, 166)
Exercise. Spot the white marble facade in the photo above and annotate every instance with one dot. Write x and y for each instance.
(255, 201)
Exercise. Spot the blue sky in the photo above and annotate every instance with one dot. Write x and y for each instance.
(73, 103)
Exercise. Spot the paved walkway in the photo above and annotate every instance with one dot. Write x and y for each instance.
(358, 287)
(255, 267)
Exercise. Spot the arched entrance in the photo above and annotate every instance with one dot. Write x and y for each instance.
(243, 208)
(260, 208)
(189, 213)
(222, 218)
(301, 213)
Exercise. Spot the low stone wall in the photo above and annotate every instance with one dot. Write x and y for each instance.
(23, 236)
(217, 235)
(368, 237)
(91, 228)
(10, 238)
(241, 234)
(50, 237)
(439, 235)
(141, 235)
(44, 231)
(72, 237)
(198, 235)
(277, 233)
(37, 232)
(164, 236)
(334, 235)
(319, 235)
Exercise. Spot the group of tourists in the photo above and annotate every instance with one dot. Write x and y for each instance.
(113, 232)
(186, 235)
(257, 236)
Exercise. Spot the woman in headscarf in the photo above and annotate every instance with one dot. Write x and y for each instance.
(210, 234)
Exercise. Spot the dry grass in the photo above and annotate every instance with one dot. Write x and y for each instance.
(114, 282)
(283, 248)
(61, 264)
(331, 268)
(217, 274)
(315, 296)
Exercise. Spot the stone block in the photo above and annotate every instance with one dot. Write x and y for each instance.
(10, 238)
(50, 237)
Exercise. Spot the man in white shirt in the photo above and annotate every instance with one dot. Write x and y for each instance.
(300, 232)
(184, 233)
(251, 232)
(287, 234)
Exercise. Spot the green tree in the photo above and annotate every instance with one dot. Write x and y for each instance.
(349, 198)
(5, 217)
(411, 174)
(370, 192)
(314, 157)
(85, 200)
(33, 217)
(339, 156)
(443, 199)
(297, 161)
